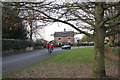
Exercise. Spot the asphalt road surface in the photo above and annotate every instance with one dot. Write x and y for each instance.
(13, 62)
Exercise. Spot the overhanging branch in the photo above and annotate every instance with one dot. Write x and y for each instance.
(110, 5)
(84, 20)
(65, 22)
(114, 25)
(83, 32)
(114, 32)
(111, 18)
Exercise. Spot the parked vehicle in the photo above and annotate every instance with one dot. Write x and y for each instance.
(66, 47)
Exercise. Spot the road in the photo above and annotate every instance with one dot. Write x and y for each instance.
(13, 62)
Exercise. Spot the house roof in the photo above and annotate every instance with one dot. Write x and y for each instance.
(64, 34)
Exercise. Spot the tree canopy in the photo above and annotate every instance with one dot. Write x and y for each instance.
(94, 19)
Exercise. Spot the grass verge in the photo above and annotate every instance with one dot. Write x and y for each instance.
(76, 63)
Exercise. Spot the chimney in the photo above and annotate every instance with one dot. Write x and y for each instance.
(64, 30)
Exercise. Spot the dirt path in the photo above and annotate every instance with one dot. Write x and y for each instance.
(64, 71)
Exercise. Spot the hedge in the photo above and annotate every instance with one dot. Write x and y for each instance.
(39, 45)
(8, 44)
(86, 44)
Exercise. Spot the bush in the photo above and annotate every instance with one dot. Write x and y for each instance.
(8, 44)
(39, 45)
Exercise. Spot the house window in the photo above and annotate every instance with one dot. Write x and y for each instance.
(59, 38)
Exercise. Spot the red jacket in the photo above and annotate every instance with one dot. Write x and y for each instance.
(51, 46)
(47, 45)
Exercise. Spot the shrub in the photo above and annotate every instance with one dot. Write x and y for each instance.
(39, 44)
(8, 44)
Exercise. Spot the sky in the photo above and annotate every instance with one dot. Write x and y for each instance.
(60, 0)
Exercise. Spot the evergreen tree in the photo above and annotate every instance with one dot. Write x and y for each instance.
(12, 27)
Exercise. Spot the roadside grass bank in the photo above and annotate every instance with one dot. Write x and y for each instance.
(76, 63)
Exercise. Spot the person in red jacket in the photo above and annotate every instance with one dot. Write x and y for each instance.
(51, 46)
(48, 45)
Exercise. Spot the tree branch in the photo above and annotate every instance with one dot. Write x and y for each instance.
(84, 20)
(83, 32)
(88, 11)
(110, 5)
(113, 26)
(114, 32)
(58, 20)
(111, 18)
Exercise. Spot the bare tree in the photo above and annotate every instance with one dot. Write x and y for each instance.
(101, 25)
(92, 16)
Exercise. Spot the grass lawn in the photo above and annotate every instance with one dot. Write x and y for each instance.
(76, 63)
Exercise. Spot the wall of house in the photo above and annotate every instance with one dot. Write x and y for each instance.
(65, 39)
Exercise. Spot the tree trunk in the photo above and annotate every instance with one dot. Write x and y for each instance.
(31, 33)
(99, 37)
(99, 59)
